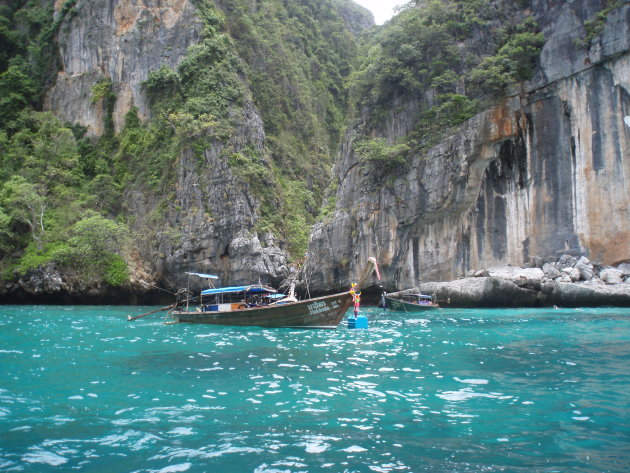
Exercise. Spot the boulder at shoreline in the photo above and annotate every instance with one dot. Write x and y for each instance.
(495, 292)
(566, 282)
(480, 292)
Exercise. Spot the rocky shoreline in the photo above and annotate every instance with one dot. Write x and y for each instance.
(48, 284)
(565, 282)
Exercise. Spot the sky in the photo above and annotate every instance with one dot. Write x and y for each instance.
(383, 10)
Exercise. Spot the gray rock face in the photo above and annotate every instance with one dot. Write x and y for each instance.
(585, 268)
(43, 280)
(481, 292)
(551, 270)
(122, 41)
(216, 234)
(563, 27)
(518, 182)
(611, 276)
(493, 292)
(527, 178)
(577, 295)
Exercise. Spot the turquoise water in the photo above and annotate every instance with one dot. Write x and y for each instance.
(81, 389)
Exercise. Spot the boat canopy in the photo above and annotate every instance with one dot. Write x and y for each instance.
(202, 275)
(235, 289)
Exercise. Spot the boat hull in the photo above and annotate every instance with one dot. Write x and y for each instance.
(401, 306)
(321, 312)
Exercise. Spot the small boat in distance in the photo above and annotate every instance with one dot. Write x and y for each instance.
(259, 305)
(414, 302)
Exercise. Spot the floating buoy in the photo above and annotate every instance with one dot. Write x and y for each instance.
(362, 322)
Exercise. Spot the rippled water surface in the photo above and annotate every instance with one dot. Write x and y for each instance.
(81, 389)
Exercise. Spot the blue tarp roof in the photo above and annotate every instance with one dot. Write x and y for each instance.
(233, 289)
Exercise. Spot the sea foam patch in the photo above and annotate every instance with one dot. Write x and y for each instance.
(471, 381)
(45, 457)
(175, 468)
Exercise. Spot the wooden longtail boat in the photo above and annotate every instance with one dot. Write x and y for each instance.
(410, 302)
(320, 312)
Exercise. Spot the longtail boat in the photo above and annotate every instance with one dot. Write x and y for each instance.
(410, 302)
(245, 306)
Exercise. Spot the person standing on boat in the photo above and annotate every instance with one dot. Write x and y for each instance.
(356, 298)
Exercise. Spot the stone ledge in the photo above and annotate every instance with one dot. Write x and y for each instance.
(495, 292)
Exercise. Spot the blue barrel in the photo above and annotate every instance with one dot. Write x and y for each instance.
(352, 322)
(362, 322)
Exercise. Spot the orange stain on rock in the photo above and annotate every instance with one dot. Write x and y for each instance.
(502, 124)
(127, 13)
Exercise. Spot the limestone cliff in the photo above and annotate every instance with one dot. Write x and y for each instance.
(209, 224)
(209, 218)
(543, 173)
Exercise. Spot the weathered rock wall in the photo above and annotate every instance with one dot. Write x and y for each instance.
(545, 172)
(122, 41)
(216, 232)
(209, 223)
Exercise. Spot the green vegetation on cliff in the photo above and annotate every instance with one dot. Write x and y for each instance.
(451, 57)
(296, 58)
(47, 202)
(291, 59)
(296, 63)
(594, 26)
(61, 189)
(52, 182)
